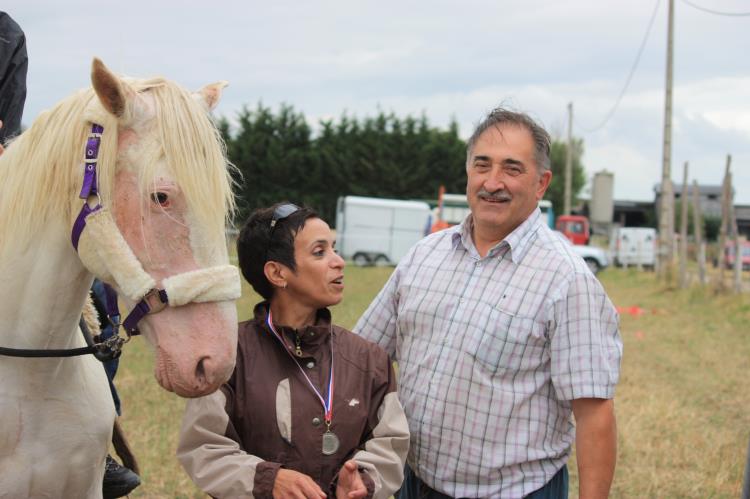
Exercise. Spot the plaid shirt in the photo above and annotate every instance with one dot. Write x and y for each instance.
(491, 351)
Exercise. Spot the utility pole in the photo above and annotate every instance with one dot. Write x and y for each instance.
(569, 163)
(666, 212)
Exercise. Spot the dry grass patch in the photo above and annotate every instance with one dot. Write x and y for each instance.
(682, 400)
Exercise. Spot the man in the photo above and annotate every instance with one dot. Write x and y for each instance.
(500, 331)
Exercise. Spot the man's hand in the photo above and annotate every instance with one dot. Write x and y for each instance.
(350, 484)
(291, 484)
(596, 446)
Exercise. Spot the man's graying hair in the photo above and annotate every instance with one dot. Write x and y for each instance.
(501, 116)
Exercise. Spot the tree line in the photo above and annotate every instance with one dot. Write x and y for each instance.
(280, 157)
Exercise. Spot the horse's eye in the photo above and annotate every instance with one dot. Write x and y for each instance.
(160, 198)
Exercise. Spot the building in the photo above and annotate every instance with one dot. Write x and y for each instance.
(601, 207)
(626, 213)
(634, 213)
(709, 198)
(742, 214)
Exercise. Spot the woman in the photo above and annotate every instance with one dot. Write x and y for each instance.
(311, 409)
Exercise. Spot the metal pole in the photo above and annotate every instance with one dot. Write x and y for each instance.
(666, 214)
(568, 163)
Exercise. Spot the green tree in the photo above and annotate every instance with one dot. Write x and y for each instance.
(445, 156)
(556, 190)
(711, 227)
(273, 152)
(381, 156)
(711, 224)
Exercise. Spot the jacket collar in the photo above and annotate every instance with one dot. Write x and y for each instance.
(310, 336)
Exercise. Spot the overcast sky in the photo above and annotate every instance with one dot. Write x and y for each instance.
(443, 59)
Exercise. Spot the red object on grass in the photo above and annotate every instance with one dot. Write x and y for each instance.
(634, 310)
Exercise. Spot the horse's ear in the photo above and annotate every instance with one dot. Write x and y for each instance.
(108, 88)
(210, 94)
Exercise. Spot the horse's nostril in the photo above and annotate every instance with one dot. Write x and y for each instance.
(200, 370)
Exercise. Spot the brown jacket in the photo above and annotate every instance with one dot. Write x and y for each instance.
(233, 442)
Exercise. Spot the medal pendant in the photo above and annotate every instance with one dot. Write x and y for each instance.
(330, 443)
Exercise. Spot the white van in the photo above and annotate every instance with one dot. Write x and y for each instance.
(633, 246)
(378, 231)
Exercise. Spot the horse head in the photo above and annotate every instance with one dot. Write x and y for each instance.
(167, 196)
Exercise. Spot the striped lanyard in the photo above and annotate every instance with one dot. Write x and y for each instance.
(326, 402)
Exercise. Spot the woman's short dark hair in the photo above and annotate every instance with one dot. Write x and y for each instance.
(259, 243)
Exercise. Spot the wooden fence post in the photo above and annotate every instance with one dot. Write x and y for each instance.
(698, 234)
(720, 284)
(684, 228)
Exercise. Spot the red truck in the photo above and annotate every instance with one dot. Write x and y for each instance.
(574, 227)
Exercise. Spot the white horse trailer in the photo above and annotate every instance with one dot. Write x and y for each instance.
(633, 246)
(376, 231)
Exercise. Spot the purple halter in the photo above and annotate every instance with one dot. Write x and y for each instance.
(90, 184)
(156, 299)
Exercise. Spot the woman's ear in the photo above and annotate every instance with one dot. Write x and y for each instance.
(275, 273)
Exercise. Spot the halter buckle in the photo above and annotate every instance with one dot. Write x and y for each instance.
(109, 349)
(156, 299)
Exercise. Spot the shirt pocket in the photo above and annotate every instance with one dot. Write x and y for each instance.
(510, 344)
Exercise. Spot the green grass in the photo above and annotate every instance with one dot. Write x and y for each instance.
(682, 403)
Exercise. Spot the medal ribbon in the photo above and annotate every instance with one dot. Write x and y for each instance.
(328, 401)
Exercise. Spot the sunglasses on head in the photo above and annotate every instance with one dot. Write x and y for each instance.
(282, 212)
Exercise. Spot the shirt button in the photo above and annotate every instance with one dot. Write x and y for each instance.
(310, 364)
(316, 421)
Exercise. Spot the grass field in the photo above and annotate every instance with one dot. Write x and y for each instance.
(683, 404)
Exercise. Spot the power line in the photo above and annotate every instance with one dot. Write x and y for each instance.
(630, 75)
(716, 12)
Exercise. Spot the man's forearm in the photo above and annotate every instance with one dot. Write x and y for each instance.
(596, 446)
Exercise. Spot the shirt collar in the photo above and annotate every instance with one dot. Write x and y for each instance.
(517, 242)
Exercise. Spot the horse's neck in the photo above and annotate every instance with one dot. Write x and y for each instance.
(56, 414)
(43, 289)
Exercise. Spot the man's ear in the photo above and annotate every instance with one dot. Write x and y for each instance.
(544, 181)
(276, 273)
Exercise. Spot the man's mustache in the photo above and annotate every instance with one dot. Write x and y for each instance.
(494, 196)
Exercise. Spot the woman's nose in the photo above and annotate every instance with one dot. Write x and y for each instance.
(337, 261)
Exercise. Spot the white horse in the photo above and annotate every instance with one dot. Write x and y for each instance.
(165, 196)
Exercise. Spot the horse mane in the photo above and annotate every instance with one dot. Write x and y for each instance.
(41, 170)
(195, 153)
